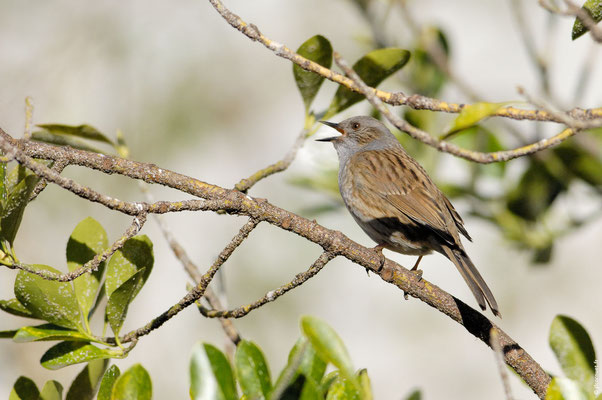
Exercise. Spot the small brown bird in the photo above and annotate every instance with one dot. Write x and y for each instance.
(395, 202)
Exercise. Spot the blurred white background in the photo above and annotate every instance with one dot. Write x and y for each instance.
(195, 96)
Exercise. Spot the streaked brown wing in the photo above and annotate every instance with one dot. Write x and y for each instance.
(398, 180)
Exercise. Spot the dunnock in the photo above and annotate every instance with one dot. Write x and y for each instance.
(395, 202)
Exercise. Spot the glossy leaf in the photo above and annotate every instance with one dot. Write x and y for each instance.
(415, 395)
(210, 374)
(120, 299)
(134, 384)
(52, 390)
(87, 240)
(594, 8)
(327, 344)
(566, 389)
(61, 140)
(365, 385)
(372, 68)
(574, 350)
(82, 131)
(343, 389)
(317, 49)
(473, 113)
(86, 382)
(312, 366)
(328, 380)
(19, 185)
(52, 301)
(24, 389)
(69, 353)
(136, 253)
(14, 307)
(47, 332)
(107, 383)
(252, 371)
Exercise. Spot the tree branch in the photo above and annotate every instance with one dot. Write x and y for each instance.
(334, 242)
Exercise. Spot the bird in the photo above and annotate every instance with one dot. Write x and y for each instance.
(396, 203)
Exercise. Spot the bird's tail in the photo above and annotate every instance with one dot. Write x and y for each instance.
(473, 279)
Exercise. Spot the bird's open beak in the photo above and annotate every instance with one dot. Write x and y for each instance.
(332, 125)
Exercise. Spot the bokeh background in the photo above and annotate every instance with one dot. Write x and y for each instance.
(193, 95)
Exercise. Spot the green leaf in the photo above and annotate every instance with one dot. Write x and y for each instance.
(107, 383)
(343, 389)
(14, 307)
(52, 301)
(82, 131)
(52, 390)
(60, 140)
(210, 374)
(327, 344)
(372, 68)
(594, 9)
(574, 350)
(416, 395)
(20, 185)
(87, 240)
(328, 381)
(86, 382)
(120, 299)
(136, 253)
(134, 384)
(312, 366)
(47, 332)
(473, 113)
(318, 49)
(365, 386)
(252, 371)
(69, 353)
(566, 389)
(3, 183)
(24, 389)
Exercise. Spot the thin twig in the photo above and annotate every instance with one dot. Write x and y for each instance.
(566, 119)
(194, 272)
(199, 290)
(272, 295)
(395, 99)
(424, 137)
(92, 265)
(28, 118)
(499, 360)
(58, 167)
(245, 184)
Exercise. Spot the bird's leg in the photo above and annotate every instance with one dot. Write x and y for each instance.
(415, 270)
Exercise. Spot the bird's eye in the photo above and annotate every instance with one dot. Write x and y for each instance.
(355, 125)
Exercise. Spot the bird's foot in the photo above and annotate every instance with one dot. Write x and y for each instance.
(379, 250)
(417, 274)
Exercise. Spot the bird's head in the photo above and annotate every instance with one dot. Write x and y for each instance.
(359, 133)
